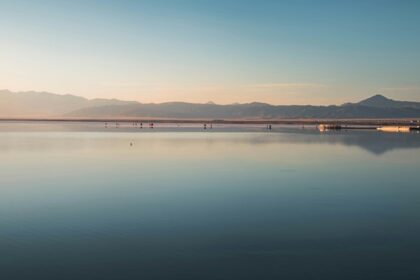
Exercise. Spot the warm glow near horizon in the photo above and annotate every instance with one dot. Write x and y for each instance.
(201, 51)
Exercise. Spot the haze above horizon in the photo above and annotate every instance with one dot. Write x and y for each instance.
(278, 52)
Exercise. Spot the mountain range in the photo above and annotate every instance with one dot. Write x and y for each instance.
(41, 104)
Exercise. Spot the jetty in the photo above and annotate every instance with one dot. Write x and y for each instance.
(398, 128)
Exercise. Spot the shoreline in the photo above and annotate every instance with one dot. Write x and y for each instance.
(342, 122)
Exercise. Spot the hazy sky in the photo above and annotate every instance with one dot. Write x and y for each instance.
(282, 52)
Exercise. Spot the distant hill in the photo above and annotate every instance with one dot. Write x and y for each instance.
(380, 101)
(44, 104)
(377, 106)
(39, 104)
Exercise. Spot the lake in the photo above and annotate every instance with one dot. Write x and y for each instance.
(89, 201)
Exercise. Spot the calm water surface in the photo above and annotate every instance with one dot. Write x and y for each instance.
(82, 201)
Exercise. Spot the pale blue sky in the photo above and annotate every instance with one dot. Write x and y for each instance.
(282, 52)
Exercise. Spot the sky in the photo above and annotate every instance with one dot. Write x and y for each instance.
(227, 51)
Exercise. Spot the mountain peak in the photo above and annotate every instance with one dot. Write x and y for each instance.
(377, 97)
(380, 101)
(377, 100)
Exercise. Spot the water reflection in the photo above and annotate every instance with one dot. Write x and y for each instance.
(234, 203)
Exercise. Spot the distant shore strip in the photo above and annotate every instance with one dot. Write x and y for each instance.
(341, 122)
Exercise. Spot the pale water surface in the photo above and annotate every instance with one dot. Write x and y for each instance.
(82, 201)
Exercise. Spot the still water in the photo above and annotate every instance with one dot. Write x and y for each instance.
(85, 201)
